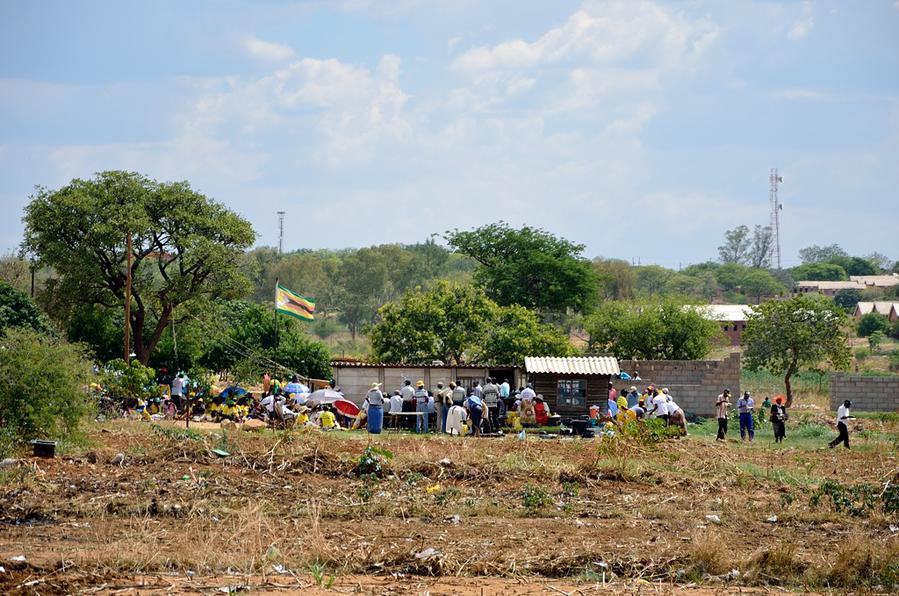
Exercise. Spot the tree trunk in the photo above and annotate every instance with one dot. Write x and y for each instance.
(142, 349)
(790, 370)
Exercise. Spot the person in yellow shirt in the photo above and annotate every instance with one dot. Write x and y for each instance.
(327, 419)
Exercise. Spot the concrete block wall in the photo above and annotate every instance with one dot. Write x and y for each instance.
(694, 384)
(868, 394)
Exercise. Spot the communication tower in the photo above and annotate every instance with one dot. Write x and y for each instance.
(774, 178)
(280, 232)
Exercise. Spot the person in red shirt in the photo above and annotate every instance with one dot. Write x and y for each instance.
(541, 411)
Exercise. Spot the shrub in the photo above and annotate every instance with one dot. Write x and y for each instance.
(894, 360)
(872, 322)
(43, 385)
(534, 498)
(372, 462)
(862, 354)
(130, 380)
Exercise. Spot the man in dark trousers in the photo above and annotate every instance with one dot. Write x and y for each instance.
(843, 419)
(721, 407)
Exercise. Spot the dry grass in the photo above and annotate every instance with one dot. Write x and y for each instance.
(708, 553)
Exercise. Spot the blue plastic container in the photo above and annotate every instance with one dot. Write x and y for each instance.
(375, 419)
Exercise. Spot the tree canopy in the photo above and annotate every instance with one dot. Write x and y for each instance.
(457, 324)
(528, 266)
(654, 330)
(784, 336)
(18, 310)
(819, 272)
(186, 247)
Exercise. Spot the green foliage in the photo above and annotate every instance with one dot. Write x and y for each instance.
(894, 329)
(319, 570)
(665, 330)
(43, 387)
(185, 246)
(373, 462)
(856, 499)
(515, 332)
(736, 246)
(820, 254)
(875, 340)
(652, 279)
(855, 265)
(133, 380)
(616, 278)
(534, 498)
(784, 336)
(894, 361)
(847, 299)
(819, 272)
(759, 283)
(650, 432)
(862, 354)
(528, 266)
(18, 310)
(871, 323)
(176, 433)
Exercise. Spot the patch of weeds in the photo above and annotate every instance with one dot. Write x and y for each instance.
(373, 461)
(446, 495)
(570, 489)
(413, 478)
(786, 499)
(856, 500)
(15, 474)
(367, 490)
(534, 498)
(319, 571)
(177, 433)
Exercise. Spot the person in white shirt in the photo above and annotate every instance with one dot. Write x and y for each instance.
(745, 407)
(528, 393)
(676, 416)
(178, 390)
(660, 407)
(396, 402)
(843, 418)
(268, 402)
(455, 417)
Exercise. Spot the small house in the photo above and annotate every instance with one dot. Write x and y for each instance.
(571, 385)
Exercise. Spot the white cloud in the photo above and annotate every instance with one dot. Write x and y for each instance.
(266, 50)
(803, 25)
(602, 34)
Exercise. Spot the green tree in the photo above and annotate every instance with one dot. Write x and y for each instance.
(445, 322)
(652, 279)
(872, 323)
(758, 283)
(43, 385)
(760, 251)
(364, 288)
(616, 278)
(659, 330)
(17, 310)
(819, 272)
(515, 332)
(528, 266)
(855, 265)
(784, 336)
(875, 340)
(736, 246)
(847, 299)
(820, 254)
(185, 246)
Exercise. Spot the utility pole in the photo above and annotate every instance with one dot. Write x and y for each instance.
(128, 298)
(774, 179)
(280, 232)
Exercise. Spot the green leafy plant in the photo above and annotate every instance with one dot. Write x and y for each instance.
(372, 462)
(856, 500)
(319, 570)
(534, 498)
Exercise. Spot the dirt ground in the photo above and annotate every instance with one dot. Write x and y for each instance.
(292, 512)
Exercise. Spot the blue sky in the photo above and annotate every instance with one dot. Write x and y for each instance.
(640, 129)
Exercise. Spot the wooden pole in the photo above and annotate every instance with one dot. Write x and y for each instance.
(128, 298)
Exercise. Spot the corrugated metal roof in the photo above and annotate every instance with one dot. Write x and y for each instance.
(725, 312)
(880, 281)
(831, 285)
(587, 365)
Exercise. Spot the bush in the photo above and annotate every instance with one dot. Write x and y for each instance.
(43, 385)
(871, 323)
(894, 360)
(130, 380)
(862, 354)
(894, 329)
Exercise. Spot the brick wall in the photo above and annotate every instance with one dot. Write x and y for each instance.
(694, 384)
(868, 394)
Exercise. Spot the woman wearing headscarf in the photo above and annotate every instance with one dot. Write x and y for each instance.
(779, 419)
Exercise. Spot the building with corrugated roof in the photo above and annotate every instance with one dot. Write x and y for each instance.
(571, 385)
(876, 281)
(887, 309)
(828, 288)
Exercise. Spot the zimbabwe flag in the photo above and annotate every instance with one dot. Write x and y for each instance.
(292, 304)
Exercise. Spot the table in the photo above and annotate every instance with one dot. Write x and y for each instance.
(395, 417)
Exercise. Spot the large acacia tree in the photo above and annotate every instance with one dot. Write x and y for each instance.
(784, 336)
(185, 247)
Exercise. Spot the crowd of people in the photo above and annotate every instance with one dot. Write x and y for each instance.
(454, 408)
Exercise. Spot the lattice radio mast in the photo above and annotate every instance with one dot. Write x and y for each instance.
(280, 232)
(776, 207)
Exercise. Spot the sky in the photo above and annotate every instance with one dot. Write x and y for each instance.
(640, 129)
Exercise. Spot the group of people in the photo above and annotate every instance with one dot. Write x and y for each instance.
(745, 406)
(653, 402)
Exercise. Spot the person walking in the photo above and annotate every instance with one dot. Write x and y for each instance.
(843, 418)
(721, 407)
(779, 419)
(745, 406)
(178, 391)
(421, 407)
(374, 401)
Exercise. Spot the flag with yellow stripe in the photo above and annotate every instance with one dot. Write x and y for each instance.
(292, 304)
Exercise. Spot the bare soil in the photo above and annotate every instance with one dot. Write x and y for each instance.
(288, 511)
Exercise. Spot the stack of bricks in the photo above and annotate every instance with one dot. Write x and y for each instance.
(867, 394)
(694, 384)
